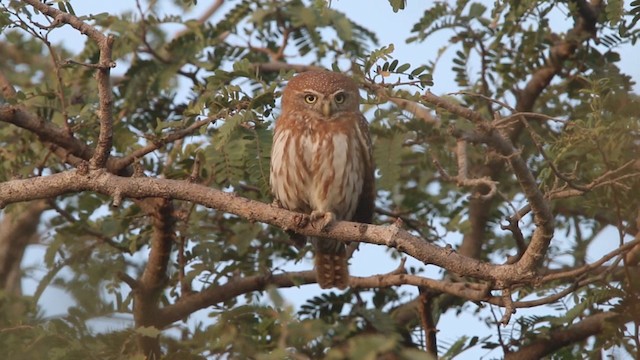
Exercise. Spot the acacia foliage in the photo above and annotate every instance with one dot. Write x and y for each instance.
(197, 105)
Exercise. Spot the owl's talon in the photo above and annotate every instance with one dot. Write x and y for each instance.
(324, 219)
(277, 204)
(301, 221)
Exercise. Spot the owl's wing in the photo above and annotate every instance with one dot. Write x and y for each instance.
(364, 210)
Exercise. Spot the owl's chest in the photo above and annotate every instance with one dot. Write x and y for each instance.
(314, 169)
(324, 153)
(308, 153)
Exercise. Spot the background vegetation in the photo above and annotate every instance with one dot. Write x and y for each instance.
(149, 189)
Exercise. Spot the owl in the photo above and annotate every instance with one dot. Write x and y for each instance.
(321, 162)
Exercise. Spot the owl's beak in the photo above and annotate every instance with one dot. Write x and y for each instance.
(326, 108)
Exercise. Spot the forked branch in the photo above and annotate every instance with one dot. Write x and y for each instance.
(105, 63)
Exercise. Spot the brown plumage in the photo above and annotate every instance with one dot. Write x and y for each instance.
(321, 162)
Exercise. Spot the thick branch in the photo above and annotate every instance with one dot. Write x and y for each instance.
(461, 111)
(428, 322)
(105, 183)
(153, 279)
(60, 17)
(192, 302)
(467, 290)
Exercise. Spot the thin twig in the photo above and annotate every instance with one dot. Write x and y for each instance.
(462, 178)
(206, 15)
(88, 65)
(158, 143)
(575, 273)
(85, 228)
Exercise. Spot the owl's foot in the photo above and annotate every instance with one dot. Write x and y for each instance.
(324, 219)
(277, 204)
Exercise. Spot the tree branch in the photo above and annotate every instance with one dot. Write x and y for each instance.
(208, 13)
(584, 27)
(73, 150)
(543, 217)
(105, 183)
(462, 179)
(150, 285)
(537, 349)
(17, 228)
(428, 322)
(216, 294)
(122, 163)
(105, 63)
(46, 131)
(417, 109)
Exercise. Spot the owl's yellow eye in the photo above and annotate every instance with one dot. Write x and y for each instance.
(339, 98)
(310, 98)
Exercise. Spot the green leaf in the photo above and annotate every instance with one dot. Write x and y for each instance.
(614, 10)
(402, 68)
(382, 53)
(397, 5)
(230, 125)
(476, 10)
(418, 70)
(393, 65)
(387, 154)
(70, 8)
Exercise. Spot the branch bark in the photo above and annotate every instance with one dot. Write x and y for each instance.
(119, 187)
(146, 294)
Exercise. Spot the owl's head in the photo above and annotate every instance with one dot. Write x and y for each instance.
(323, 93)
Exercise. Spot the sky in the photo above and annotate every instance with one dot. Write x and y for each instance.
(390, 28)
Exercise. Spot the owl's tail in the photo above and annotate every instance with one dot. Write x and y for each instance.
(332, 265)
